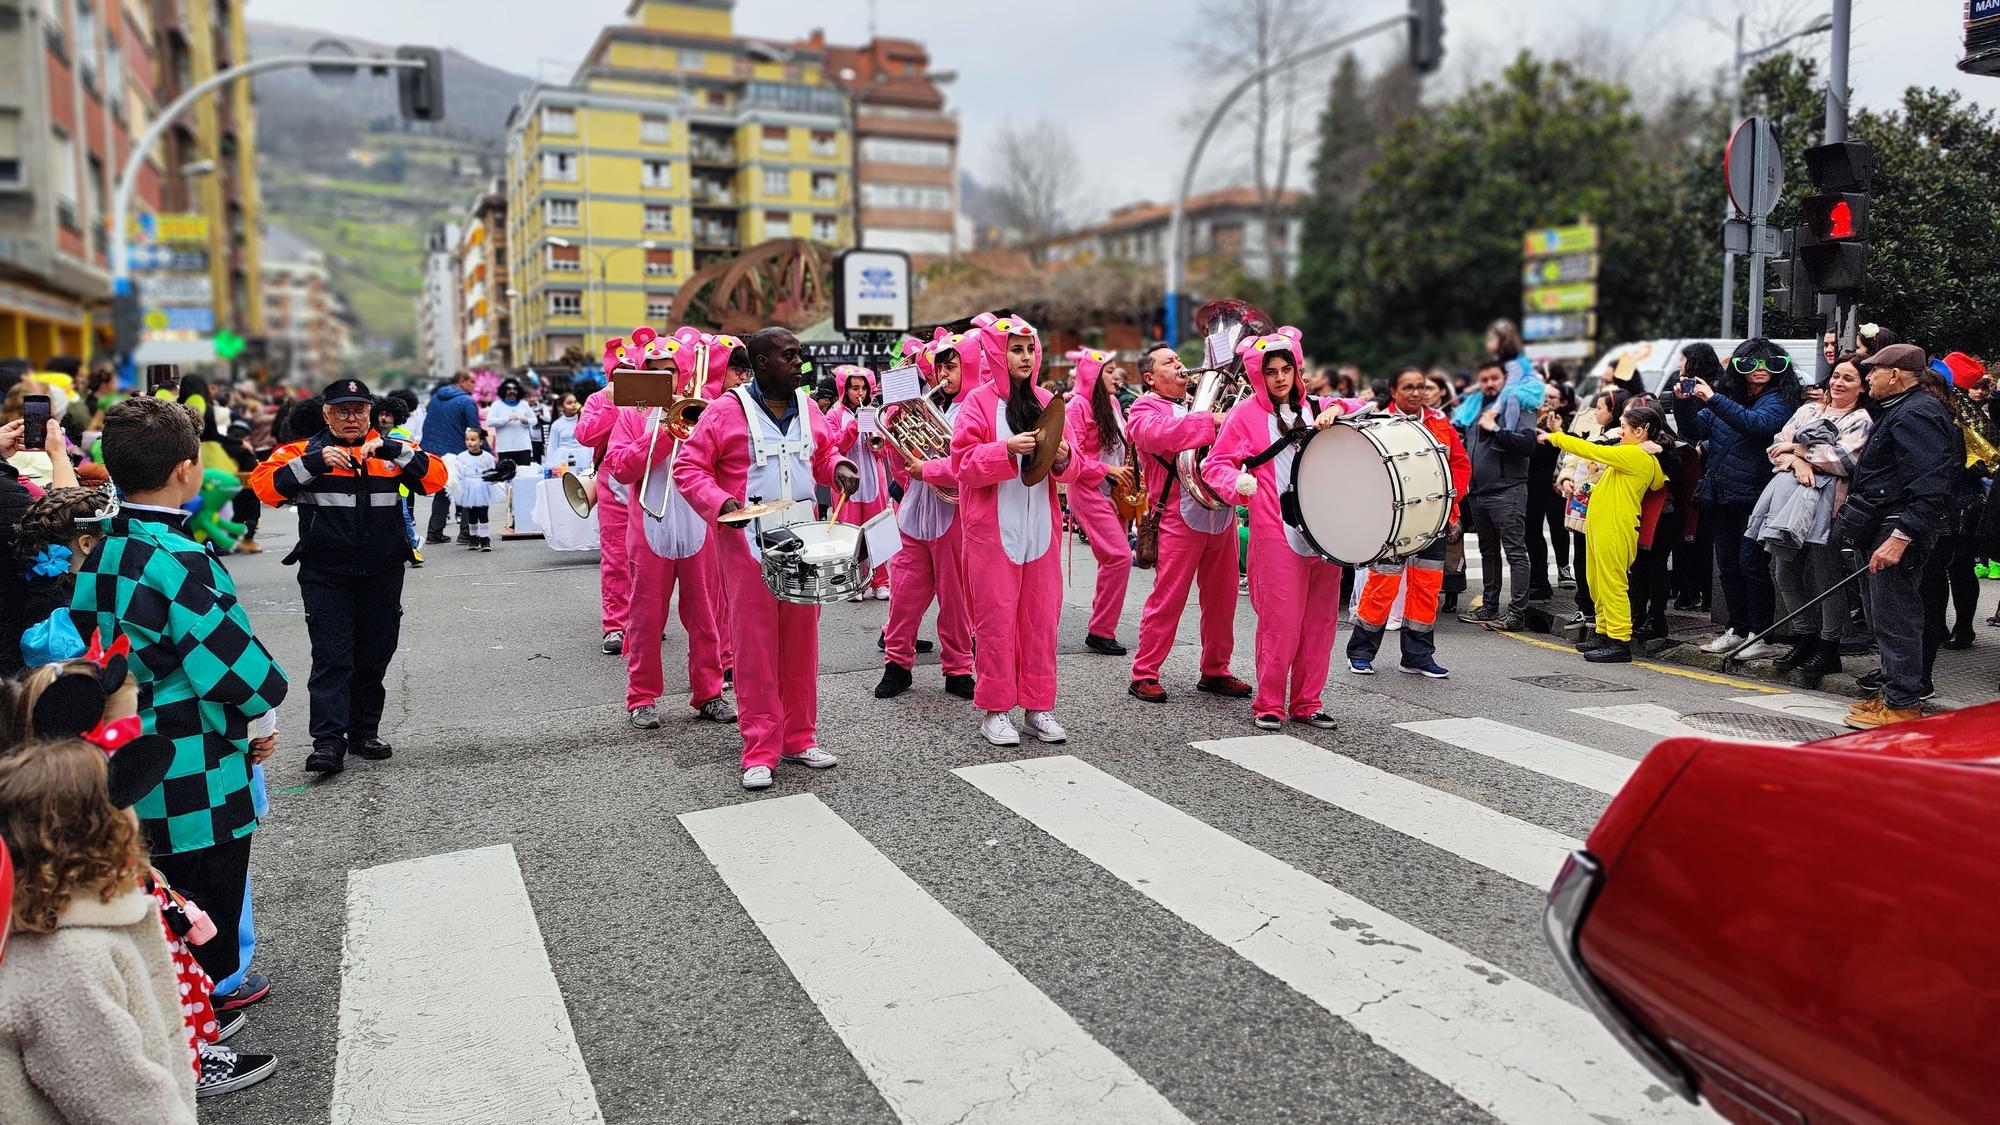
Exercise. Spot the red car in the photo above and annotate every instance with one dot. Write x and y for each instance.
(1801, 933)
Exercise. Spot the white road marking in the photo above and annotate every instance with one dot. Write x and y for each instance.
(946, 1029)
(449, 1010)
(1525, 852)
(1544, 754)
(1664, 721)
(1819, 709)
(1501, 1043)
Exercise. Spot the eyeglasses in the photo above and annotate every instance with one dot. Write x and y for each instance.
(350, 410)
(1776, 365)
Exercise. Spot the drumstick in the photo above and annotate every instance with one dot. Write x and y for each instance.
(834, 514)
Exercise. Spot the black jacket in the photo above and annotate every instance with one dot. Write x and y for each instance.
(1907, 470)
(349, 523)
(1500, 457)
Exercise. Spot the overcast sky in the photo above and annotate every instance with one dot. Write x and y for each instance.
(1117, 73)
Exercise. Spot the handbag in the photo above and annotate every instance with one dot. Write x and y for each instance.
(1146, 545)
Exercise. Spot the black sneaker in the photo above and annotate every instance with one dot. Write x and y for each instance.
(229, 1023)
(882, 643)
(255, 987)
(960, 686)
(895, 681)
(1108, 646)
(1612, 652)
(373, 749)
(1479, 616)
(327, 758)
(225, 1069)
(464, 538)
(434, 540)
(1871, 681)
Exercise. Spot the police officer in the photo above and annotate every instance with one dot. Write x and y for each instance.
(351, 554)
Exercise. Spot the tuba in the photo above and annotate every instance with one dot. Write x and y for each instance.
(918, 430)
(1222, 386)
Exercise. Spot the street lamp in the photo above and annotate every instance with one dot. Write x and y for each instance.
(1821, 23)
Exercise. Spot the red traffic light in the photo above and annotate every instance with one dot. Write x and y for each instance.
(1840, 221)
(1835, 217)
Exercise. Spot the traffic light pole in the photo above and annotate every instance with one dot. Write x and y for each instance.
(1836, 130)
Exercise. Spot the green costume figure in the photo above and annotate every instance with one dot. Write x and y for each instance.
(217, 490)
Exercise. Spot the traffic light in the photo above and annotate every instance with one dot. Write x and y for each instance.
(420, 91)
(127, 321)
(1426, 35)
(1794, 296)
(1832, 236)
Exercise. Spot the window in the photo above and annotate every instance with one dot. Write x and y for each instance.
(822, 143)
(559, 166)
(114, 77)
(95, 184)
(658, 220)
(655, 130)
(914, 197)
(86, 41)
(561, 121)
(559, 212)
(777, 138)
(659, 306)
(825, 185)
(693, 60)
(65, 168)
(656, 174)
(777, 182)
(565, 302)
(890, 150)
(826, 228)
(565, 259)
(659, 262)
(777, 223)
(10, 148)
(716, 99)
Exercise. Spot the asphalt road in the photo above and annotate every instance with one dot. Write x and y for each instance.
(696, 988)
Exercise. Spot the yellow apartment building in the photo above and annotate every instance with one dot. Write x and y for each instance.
(676, 145)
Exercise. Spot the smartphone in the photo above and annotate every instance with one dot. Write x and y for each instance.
(35, 421)
(162, 375)
(1687, 384)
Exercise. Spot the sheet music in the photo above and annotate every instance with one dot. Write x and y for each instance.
(901, 384)
(865, 417)
(881, 537)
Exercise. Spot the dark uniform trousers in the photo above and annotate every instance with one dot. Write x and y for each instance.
(354, 622)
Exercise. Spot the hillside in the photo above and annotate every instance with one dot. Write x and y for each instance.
(340, 169)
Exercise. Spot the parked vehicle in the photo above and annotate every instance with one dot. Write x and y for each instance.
(1801, 933)
(1660, 358)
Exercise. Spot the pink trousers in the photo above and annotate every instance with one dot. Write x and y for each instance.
(614, 563)
(653, 582)
(777, 661)
(1188, 557)
(718, 598)
(1297, 603)
(1015, 618)
(924, 569)
(1093, 512)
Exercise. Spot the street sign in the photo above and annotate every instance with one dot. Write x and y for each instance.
(1559, 271)
(1753, 168)
(1558, 326)
(1561, 298)
(146, 258)
(179, 289)
(169, 227)
(1578, 239)
(871, 291)
(1741, 236)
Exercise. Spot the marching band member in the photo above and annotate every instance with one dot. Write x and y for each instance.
(1252, 457)
(1011, 531)
(766, 439)
(1195, 544)
(857, 393)
(729, 362)
(1425, 572)
(1096, 429)
(614, 566)
(932, 561)
(668, 549)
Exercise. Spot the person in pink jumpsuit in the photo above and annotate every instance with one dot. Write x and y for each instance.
(614, 566)
(669, 546)
(767, 439)
(1294, 593)
(870, 455)
(1197, 546)
(1011, 532)
(1096, 429)
(932, 561)
(729, 368)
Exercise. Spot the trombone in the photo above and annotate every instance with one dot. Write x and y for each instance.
(677, 418)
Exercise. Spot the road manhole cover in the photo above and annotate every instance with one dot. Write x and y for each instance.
(1763, 728)
(1571, 683)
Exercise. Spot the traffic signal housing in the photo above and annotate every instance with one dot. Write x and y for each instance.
(1426, 35)
(420, 90)
(1831, 239)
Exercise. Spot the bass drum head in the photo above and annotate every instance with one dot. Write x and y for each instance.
(1346, 501)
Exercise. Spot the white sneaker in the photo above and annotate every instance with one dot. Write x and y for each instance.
(1043, 725)
(881, 593)
(999, 729)
(1269, 722)
(614, 642)
(645, 717)
(717, 710)
(1758, 651)
(757, 777)
(1727, 641)
(1394, 624)
(813, 758)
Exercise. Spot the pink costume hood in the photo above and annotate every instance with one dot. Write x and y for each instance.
(1090, 365)
(1253, 350)
(993, 332)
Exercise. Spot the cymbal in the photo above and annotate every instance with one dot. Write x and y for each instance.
(753, 511)
(1048, 439)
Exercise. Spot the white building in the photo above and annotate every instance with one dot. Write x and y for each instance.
(440, 307)
(1227, 225)
(303, 317)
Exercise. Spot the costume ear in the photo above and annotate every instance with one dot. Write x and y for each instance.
(137, 768)
(111, 677)
(71, 705)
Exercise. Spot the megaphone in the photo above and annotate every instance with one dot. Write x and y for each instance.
(581, 492)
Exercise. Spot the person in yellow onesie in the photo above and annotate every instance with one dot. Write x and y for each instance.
(1611, 526)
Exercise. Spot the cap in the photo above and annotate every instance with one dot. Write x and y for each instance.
(1902, 357)
(346, 390)
(1965, 370)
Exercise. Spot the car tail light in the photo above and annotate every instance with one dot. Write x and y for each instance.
(1636, 799)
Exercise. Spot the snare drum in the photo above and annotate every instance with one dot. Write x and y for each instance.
(1371, 488)
(820, 566)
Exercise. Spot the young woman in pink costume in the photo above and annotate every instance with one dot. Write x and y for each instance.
(1096, 429)
(1011, 533)
(614, 566)
(870, 454)
(932, 561)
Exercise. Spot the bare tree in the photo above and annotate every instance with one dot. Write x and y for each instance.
(1037, 181)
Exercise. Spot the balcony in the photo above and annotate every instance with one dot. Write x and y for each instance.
(704, 151)
(710, 194)
(712, 236)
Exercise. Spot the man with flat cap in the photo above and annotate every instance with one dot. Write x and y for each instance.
(351, 554)
(1897, 502)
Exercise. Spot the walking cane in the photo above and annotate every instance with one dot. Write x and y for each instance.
(1859, 571)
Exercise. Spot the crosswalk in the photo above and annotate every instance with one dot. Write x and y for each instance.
(948, 1029)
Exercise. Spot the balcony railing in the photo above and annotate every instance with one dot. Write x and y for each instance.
(707, 153)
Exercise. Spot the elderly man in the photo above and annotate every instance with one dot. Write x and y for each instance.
(351, 553)
(1896, 507)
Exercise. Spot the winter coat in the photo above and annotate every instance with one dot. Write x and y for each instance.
(451, 413)
(1734, 438)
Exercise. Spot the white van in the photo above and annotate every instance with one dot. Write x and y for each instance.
(1660, 358)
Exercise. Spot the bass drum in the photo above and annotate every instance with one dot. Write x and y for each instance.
(1372, 488)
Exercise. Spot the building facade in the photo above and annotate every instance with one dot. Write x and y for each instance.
(906, 145)
(676, 145)
(1224, 227)
(440, 304)
(482, 256)
(305, 322)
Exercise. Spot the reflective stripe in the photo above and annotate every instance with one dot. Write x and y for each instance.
(1421, 563)
(299, 470)
(1389, 569)
(409, 454)
(348, 499)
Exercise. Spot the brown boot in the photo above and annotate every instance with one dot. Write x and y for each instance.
(1881, 715)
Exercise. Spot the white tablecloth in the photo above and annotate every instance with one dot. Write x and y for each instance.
(562, 528)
